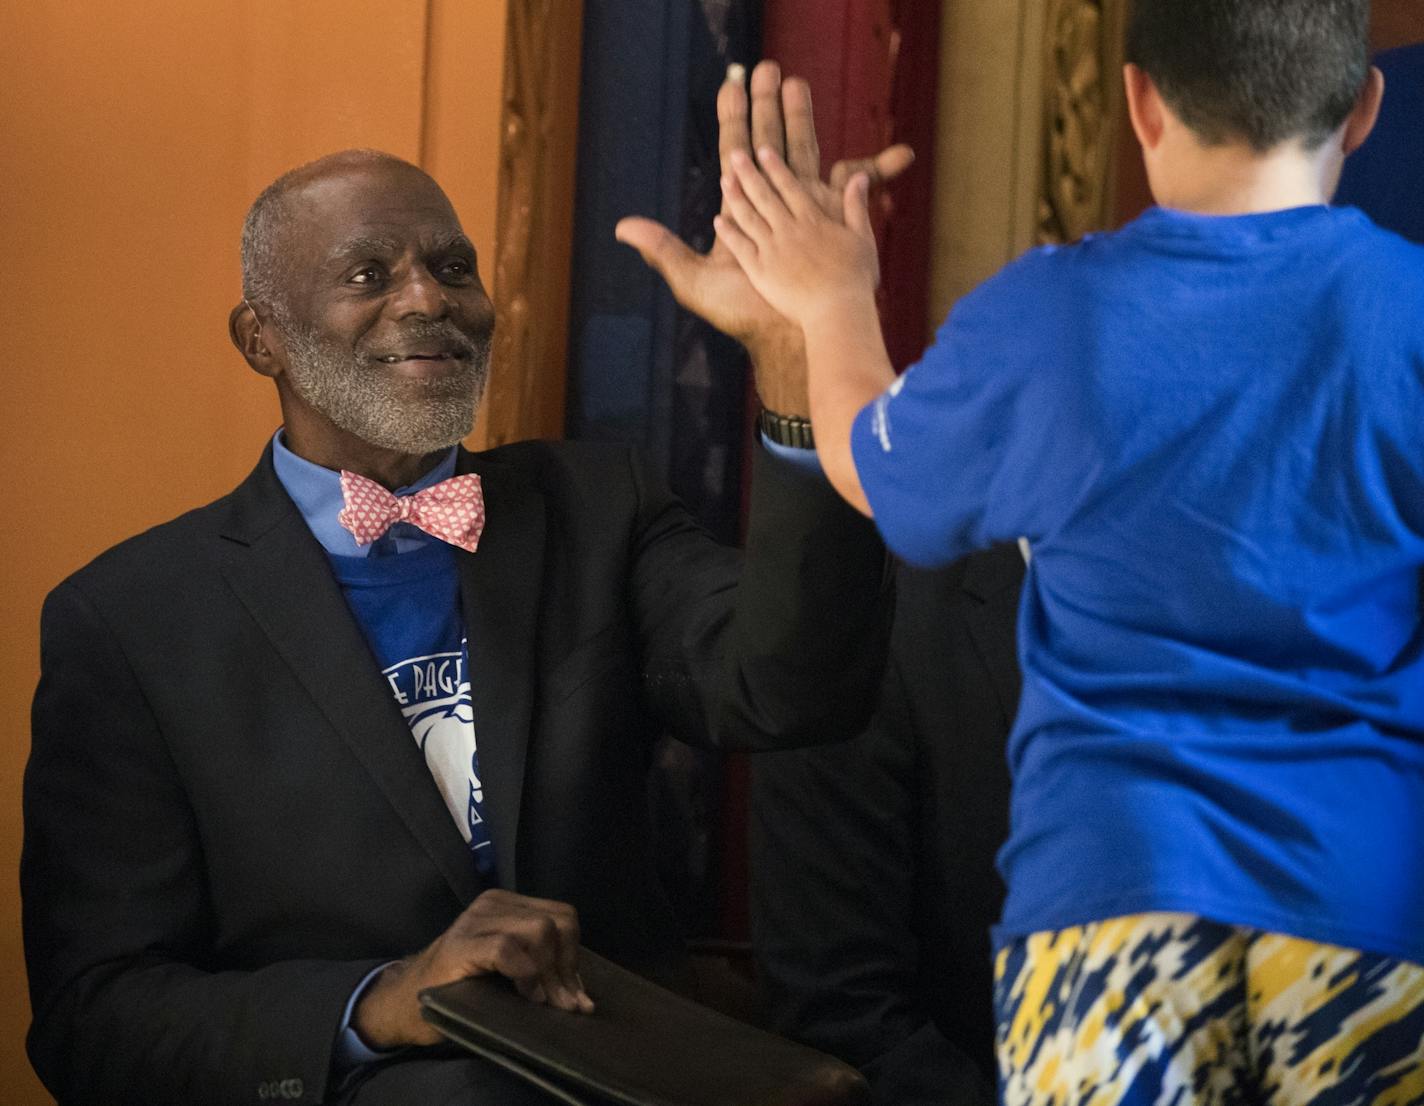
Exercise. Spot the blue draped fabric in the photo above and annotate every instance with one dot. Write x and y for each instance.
(642, 370)
(1385, 177)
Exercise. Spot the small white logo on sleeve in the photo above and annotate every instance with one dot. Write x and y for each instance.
(880, 417)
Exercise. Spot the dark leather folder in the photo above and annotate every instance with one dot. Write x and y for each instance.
(642, 1046)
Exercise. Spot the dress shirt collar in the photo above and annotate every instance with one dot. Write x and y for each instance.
(317, 493)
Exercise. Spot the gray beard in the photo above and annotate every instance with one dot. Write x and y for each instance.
(382, 408)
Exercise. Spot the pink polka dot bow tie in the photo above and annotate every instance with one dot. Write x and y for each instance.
(452, 510)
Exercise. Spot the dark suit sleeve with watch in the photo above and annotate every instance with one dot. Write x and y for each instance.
(228, 825)
(873, 881)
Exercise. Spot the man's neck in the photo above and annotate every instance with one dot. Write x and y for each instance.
(389, 468)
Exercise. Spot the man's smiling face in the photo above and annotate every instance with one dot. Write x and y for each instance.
(385, 323)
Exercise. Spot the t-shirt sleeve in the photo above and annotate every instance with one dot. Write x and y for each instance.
(940, 454)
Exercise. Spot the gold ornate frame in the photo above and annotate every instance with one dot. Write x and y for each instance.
(1030, 110)
(535, 220)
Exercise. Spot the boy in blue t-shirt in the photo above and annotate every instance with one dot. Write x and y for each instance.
(1210, 427)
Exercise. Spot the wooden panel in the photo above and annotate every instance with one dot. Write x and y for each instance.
(1396, 23)
(1030, 106)
(1083, 107)
(460, 128)
(540, 121)
(988, 143)
(136, 136)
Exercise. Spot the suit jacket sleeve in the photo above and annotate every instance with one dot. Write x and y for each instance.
(787, 653)
(835, 849)
(109, 835)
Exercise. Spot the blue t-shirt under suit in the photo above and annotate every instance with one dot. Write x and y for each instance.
(404, 591)
(1211, 430)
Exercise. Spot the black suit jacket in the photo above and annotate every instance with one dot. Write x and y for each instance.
(228, 824)
(873, 861)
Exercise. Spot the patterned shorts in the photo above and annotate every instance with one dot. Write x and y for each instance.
(1174, 1010)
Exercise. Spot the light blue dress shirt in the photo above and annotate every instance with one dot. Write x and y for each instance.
(317, 493)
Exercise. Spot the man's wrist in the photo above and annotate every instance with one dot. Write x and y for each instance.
(350, 1051)
(779, 363)
(370, 1019)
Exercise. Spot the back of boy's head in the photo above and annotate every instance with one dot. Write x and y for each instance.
(1259, 71)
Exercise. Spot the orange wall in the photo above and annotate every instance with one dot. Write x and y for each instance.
(135, 136)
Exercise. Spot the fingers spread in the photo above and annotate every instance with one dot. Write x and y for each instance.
(802, 152)
(741, 247)
(881, 169)
(791, 191)
(743, 210)
(768, 128)
(666, 253)
(889, 164)
(857, 206)
(733, 123)
(758, 193)
(648, 237)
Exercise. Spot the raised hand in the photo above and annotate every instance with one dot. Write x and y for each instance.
(532, 942)
(804, 263)
(779, 116)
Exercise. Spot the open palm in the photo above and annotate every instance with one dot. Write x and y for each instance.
(712, 285)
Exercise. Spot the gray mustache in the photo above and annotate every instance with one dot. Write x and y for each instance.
(444, 332)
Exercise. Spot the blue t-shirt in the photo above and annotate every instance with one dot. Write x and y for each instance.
(408, 606)
(1385, 177)
(1211, 430)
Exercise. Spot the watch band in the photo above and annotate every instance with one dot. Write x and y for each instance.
(787, 430)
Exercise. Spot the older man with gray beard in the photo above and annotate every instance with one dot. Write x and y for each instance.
(379, 719)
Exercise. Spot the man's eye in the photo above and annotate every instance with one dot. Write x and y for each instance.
(458, 270)
(368, 275)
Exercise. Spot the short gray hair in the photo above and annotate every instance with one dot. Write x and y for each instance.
(264, 272)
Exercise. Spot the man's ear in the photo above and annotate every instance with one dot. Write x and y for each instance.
(1144, 106)
(246, 331)
(1365, 113)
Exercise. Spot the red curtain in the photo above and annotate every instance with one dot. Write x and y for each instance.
(873, 66)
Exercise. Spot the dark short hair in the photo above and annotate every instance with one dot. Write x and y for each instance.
(1265, 71)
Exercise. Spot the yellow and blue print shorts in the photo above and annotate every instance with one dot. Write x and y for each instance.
(1174, 1010)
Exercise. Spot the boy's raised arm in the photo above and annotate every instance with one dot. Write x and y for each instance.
(765, 112)
(821, 274)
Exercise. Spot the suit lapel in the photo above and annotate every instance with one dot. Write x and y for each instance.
(282, 577)
(499, 589)
(993, 578)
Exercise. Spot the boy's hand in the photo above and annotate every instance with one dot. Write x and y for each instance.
(776, 114)
(803, 262)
